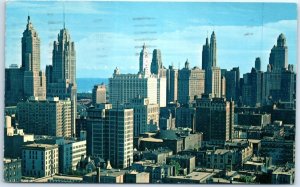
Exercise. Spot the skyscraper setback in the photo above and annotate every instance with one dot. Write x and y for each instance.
(34, 79)
(209, 64)
(30, 48)
(156, 64)
(279, 54)
(144, 61)
(64, 58)
(61, 75)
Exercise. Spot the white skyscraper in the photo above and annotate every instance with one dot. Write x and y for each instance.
(125, 87)
(145, 61)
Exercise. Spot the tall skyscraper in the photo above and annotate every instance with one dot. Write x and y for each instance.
(258, 64)
(215, 118)
(278, 63)
(144, 61)
(209, 64)
(172, 84)
(190, 83)
(34, 79)
(206, 62)
(156, 64)
(62, 72)
(213, 49)
(64, 58)
(110, 134)
(279, 54)
(51, 117)
(30, 48)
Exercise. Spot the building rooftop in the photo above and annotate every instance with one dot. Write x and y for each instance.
(197, 176)
(152, 140)
(8, 160)
(110, 173)
(221, 151)
(58, 178)
(181, 156)
(40, 146)
(284, 171)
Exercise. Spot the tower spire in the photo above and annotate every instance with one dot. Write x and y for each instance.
(28, 18)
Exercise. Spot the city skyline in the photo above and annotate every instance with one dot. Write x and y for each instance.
(204, 123)
(179, 37)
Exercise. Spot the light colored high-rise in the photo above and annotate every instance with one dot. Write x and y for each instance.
(35, 84)
(30, 48)
(61, 75)
(70, 153)
(64, 58)
(172, 84)
(161, 91)
(34, 79)
(145, 62)
(50, 117)
(125, 87)
(39, 160)
(209, 64)
(146, 116)
(190, 83)
(110, 134)
(223, 86)
(213, 85)
(99, 94)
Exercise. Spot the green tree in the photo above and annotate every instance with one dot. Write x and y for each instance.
(176, 165)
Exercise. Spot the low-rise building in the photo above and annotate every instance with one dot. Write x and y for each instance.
(159, 155)
(39, 160)
(258, 164)
(157, 171)
(253, 119)
(185, 161)
(281, 150)
(59, 179)
(283, 175)
(192, 178)
(137, 177)
(111, 176)
(12, 170)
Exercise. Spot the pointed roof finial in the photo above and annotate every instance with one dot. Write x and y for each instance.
(28, 18)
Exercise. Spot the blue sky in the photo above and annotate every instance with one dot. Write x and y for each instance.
(110, 34)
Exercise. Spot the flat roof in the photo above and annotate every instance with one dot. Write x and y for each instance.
(152, 140)
(40, 146)
(199, 176)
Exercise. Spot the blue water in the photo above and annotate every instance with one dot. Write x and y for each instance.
(85, 85)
